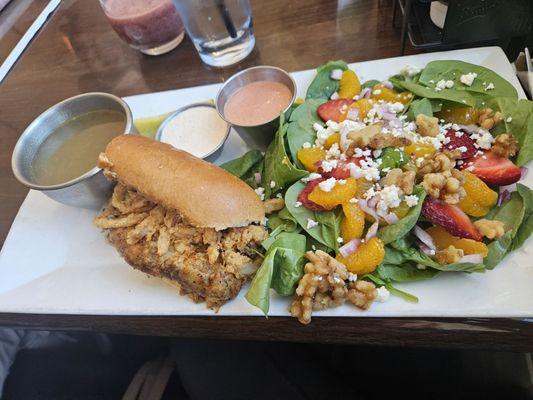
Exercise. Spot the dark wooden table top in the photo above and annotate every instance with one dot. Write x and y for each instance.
(78, 52)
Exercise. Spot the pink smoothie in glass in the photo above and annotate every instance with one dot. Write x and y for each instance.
(144, 24)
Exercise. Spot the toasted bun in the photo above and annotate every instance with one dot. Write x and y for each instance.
(205, 195)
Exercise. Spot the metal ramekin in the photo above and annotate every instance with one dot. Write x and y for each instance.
(262, 134)
(91, 189)
(213, 153)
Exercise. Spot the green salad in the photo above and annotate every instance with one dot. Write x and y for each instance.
(382, 182)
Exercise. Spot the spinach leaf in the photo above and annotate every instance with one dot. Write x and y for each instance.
(242, 165)
(526, 227)
(392, 157)
(278, 168)
(511, 213)
(393, 232)
(328, 229)
(497, 250)
(459, 98)
(281, 270)
(404, 273)
(420, 106)
(300, 128)
(453, 69)
(284, 219)
(322, 87)
(397, 81)
(518, 120)
(370, 84)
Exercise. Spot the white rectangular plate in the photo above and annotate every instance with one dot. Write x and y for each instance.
(55, 261)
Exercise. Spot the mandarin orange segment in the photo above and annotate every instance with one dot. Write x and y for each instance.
(353, 223)
(418, 150)
(364, 106)
(332, 139)
(380, 92)
(479, 197)
(310, 156)
(478, 190)
(349, 85)
(443, 239)
(366, 258)
(339, 194)
(459, 115)
(404, 97)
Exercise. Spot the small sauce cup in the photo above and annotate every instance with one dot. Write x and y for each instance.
(90, 190)
(213, 149)
(261, 134)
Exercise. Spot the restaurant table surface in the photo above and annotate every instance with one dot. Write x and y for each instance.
(77, 52)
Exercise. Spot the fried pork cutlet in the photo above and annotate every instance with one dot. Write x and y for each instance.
(208, 265)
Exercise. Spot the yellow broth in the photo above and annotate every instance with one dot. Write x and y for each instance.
(73, 148)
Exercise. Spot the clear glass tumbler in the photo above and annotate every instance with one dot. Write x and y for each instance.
(150, 26)
(221, 30)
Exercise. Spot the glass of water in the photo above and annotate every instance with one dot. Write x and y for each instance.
(221, 30)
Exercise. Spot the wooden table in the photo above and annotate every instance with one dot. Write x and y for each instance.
(78, 52)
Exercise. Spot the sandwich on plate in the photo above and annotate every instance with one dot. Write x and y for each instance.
(179, 218)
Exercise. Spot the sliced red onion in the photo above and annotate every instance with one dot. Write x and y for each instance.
(391, 218)
(350, 247)
(387, 84)
(365, 93)
(424, 237)
(372, 203)
(257, 178)
(524, 171)
(363, 205)
(344, 135)
(353, 113)
(504, 196)
(388, 116)
(472, 258)
(372, 231)
(425, 249)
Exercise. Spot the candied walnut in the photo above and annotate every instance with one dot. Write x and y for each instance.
(361, 294)
(447, 185)
(273, 205)
(488, 119)
(491, 229)
(373, 137)
(440, 163)
(322, 286)
(505, 145)
(427, 126)
(404, 180)
(449, 255)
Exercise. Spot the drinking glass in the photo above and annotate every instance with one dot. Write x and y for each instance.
(150, 26)
(221, 30)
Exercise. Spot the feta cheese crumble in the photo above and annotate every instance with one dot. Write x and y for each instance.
(509, 119)
(411, 200)
(272, 184)
(260, 192)
(490, 86)
(336, 74)
(468, 79)
(382, 294)
(327, 185)
(311, 177)
(311, 223)
(409, 71)
(297, 204)
(334, 96)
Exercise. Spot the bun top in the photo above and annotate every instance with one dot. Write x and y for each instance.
(205, 195)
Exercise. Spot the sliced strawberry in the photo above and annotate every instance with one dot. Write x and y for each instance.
(460, 140)
(333, 110)
(493, 170)
(303, 197)
(449, 217)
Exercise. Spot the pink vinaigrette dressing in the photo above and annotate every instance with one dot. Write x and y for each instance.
(257, 103)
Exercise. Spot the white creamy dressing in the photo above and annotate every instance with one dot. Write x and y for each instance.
(197, 130)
